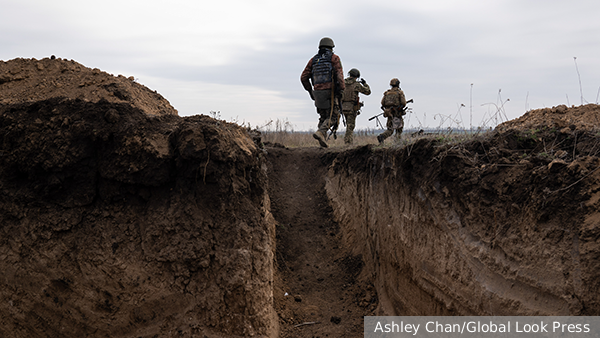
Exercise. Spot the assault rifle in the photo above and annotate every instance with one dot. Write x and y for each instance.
(333, 128)
(405, 109)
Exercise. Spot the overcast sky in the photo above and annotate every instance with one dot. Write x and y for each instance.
(243, 58)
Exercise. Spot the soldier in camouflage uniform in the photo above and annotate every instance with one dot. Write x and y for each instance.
(393, 103)
(324, 71)
(351, 103)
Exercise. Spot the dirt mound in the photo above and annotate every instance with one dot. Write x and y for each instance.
(504, 224)
(561, 117)
(120, 223)
(30, 80)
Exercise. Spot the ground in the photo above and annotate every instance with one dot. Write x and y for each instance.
(120, 218)
(318, 292)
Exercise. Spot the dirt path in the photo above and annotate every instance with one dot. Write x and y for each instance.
(317, 293)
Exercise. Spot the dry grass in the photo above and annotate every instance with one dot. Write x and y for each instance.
(282, 132)
(305, 139)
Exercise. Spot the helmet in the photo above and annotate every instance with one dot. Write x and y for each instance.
(394, 82)
(354, 72)
(326, 42)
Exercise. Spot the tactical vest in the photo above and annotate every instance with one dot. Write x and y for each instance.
(351, 93)
(322, 67)
(391, 98)
(350, 99)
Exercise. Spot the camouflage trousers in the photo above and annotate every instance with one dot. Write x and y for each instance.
(350, 124)
(327, 120)
(393, 124)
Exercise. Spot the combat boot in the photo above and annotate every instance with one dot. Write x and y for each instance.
(380, 139)
(319, 137)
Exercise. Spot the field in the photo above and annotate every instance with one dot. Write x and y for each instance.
(284, 135)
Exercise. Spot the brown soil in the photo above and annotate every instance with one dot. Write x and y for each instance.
(119, 218)
(504, 224)
(90, 170)
(318, 292)
(559, 118)
(117, 221)
(30, 80)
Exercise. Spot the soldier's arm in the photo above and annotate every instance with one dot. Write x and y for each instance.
(306, 75)
(365, 89)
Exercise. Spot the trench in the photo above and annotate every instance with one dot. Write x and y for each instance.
(424, 237)
(117, 224)
(318, 292)
(126, 220)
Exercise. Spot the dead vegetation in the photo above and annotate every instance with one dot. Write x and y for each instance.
(281, 133)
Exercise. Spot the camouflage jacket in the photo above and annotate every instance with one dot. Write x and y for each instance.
(353, 88)
(338, 72)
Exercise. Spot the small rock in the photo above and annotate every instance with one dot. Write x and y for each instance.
(556, 165)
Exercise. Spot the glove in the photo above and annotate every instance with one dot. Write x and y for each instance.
(363, 81)
(311, 95)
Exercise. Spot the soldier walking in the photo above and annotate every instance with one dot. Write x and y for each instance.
(393, 103)
(325, 72)
(351, 103)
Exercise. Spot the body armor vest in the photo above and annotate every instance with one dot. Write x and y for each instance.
(322, 67)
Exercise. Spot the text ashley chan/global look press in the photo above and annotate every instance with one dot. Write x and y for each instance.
(484, 327)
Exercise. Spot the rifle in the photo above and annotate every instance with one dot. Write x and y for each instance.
(405, 109)
(336, 123)
(376, 116)
(378, 123)
(331, 110)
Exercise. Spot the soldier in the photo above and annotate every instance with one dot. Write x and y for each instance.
(393, 103)
(325, 72)
(351, 103)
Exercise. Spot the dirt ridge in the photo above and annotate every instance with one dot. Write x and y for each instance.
(114, 224)
(505, 224)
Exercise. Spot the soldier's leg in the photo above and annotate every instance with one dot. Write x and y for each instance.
(324, 120)
(388, 132)
(399, 126)
(350, 124)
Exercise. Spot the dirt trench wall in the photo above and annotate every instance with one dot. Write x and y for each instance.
(443, 232)
(114, 223)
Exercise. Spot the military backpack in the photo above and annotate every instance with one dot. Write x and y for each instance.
(322, 67)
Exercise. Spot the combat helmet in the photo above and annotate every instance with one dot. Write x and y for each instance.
(326, 42)
(394, 82)
(354, 73)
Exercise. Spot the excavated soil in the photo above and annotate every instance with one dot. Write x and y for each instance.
(505, 223)
(117, 221)
(30, 80)
(119, 218)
